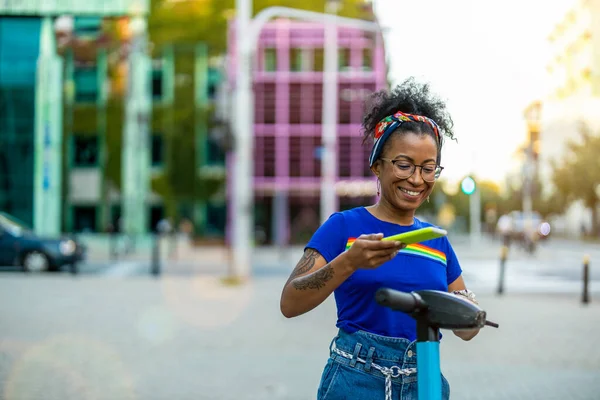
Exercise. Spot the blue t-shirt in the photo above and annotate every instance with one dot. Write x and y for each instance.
(428, 265)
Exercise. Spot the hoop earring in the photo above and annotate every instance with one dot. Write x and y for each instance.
(378, 187)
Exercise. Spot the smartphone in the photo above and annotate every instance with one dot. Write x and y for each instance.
(418, 235)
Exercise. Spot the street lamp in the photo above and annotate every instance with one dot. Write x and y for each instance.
(329, 114)
(533, 114)
(247, 32)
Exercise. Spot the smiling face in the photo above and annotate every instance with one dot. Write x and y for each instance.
(403, 196)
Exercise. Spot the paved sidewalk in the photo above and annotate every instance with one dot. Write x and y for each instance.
(180, 338)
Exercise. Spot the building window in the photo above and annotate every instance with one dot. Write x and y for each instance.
(296, 59)
(345, 156)
(367, 59)
(344, 59)
(305, 156)
(115, 217)
(17, 116)
(264, 156)
(212, 91)
(84, 219)
(87, 27)
(85, 151)
(214, 79)
(319, 60)
(86, 84)
(157, 80)
(265, 103)
(270, 59)
(216, 219)
(214, 152)
(157, 150)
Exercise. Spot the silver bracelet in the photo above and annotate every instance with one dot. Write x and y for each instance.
(466, 293)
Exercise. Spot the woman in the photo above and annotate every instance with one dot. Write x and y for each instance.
(347, 256)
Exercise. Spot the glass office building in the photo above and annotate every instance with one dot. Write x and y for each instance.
(19, 50)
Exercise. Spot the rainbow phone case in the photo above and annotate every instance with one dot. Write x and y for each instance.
(418, 235)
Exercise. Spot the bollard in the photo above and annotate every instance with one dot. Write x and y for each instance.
(155, 267)
(585, 297)
(503, 256)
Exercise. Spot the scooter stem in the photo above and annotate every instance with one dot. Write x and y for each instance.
(429, 377)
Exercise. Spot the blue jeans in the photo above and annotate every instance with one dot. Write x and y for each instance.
(347, 377)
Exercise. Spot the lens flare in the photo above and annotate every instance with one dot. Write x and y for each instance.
(69, 366)
(205, 301)
(157, 325)
(545, 229)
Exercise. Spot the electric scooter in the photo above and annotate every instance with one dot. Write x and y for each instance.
(433, 310)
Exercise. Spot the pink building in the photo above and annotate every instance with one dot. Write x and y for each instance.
(288, 82)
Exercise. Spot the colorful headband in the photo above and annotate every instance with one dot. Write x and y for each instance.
(386, 126)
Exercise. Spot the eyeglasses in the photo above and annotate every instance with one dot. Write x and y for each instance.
(404, 169)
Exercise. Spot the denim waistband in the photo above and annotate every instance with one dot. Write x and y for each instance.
(368, 345)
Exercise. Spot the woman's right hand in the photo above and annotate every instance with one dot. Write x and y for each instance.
(369, 251)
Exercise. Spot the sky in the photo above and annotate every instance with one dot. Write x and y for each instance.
(487, 59)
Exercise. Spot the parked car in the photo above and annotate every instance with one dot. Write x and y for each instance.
(20, 246)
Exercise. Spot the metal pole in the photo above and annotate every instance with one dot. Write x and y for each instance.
(155, 267)
(585, 298)
(503, 256)
(527, 196)
(475, 213)
(329, 118)
(244, 132)
(135, 156)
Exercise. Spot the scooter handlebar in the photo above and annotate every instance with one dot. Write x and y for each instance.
(399, 301)
(441, 309)
(492, 324)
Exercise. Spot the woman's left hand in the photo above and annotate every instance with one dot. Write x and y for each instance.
(459, 286)
(467, 335)
(470, 334)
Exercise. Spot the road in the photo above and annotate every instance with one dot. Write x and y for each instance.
(115, 332)
(85, 337)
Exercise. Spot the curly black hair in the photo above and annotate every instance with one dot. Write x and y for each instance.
(410, 97)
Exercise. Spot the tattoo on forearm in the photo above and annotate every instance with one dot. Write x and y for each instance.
(316, 280)
(305, 264)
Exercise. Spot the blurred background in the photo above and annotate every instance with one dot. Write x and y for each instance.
(144, 139)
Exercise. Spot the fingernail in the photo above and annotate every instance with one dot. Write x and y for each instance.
(398, 244)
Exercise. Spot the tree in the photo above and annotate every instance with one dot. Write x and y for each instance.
(577, 175)
(207, 20)
(513, 200)
(490, 198)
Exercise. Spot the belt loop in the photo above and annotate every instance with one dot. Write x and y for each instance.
(332, 344)
(355, 354)
(369, 359)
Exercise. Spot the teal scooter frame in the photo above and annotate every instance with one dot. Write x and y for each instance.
(433, 310)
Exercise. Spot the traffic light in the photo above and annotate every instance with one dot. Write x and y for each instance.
(468, 186)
